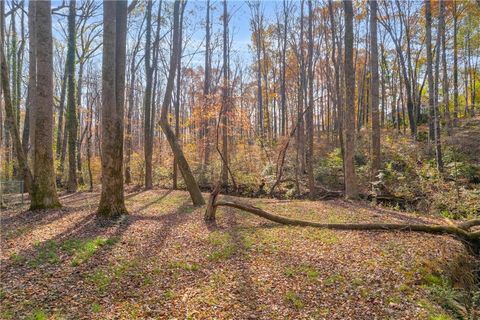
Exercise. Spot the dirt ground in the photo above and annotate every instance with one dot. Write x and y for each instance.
(163, 262)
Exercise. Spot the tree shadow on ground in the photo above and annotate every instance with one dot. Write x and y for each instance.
(54, 282)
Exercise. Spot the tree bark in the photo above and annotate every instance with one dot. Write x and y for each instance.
(148, 140)
(351, 190)
(436, 115)
(112, 202)
(455, 65)
(44, 193)
(445, 86)
(71, 103)
(225, 97)
(374, 90)
(309, 111)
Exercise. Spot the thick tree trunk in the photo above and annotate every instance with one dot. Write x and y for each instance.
(351, 190)
(44, 193)
(112, 202)
(188, 177)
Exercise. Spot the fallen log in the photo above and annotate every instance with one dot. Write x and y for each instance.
(460, 231)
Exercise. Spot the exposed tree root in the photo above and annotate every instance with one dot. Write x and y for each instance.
(461, 231)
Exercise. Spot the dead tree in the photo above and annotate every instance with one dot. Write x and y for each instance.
(463, 231)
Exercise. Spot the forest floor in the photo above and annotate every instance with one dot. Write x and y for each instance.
(163, 262)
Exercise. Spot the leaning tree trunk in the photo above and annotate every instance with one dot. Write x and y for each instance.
(188, 177)
(44, 193)
(112, 201)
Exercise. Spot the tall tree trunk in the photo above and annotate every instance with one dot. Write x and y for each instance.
(455, 65)
(71, 104)
(374, 90)
(178, 97)
(283, 90)
(436, 116)
(32, 78)
(301, 97)
(9, 109)
(206, 93)
(60, 146)
(80, 135)
(188, 177)
(309, 112)
(44, 193)
(225, 97)
(445, 87)
(112, 201)
(431, 85)
(382, 115)
(147, 145)
(351, 190)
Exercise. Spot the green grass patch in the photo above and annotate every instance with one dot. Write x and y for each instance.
(323, 236)
(46, 253)
(80, 249)
(334, 279)
(17, 258)
(100, 279)
(38, 315)
(223, 245)
(305, 270)
(168, 295)
(96, 308)
(294, 299)
(184, 265)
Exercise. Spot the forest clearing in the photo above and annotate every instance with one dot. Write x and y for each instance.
(293, 159)
(162, 260)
